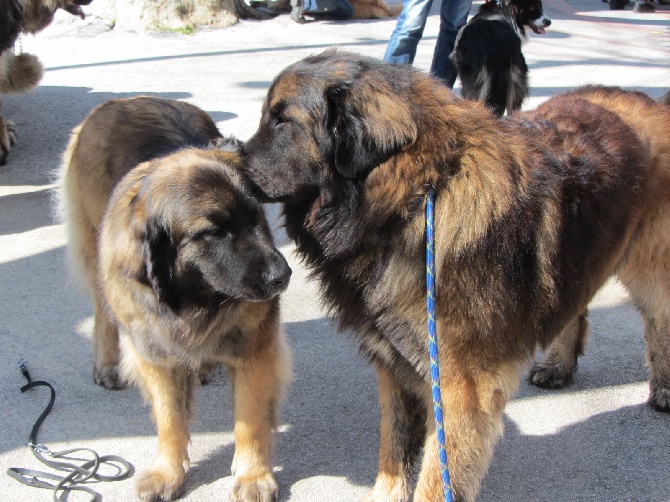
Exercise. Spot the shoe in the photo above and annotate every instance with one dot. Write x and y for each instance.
(663, 2)
(617, 4)
(643, 7)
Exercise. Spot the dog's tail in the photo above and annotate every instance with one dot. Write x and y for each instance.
(19, 74)
(66, 201)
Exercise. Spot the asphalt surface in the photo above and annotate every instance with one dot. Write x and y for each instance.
(594, 441)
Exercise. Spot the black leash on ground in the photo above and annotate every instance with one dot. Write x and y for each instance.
(85, 471)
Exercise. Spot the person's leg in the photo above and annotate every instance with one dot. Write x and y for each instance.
(402, 45)
(453, 15)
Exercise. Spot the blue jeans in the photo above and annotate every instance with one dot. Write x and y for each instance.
(405, 38)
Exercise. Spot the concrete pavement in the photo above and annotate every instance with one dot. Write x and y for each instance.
(594, 441)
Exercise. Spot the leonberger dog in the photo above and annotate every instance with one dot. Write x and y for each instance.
(179, 259)
(21, 73)
(532, 214)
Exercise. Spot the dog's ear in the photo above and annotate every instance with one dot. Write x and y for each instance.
(368, 126)
(159, 258)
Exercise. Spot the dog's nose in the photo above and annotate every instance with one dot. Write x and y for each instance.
(278, 274)
(547, 22)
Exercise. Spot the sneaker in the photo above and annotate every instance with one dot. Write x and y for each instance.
(617, 4)
(643, 7)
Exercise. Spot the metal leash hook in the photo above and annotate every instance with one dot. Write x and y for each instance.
(432, 336)
(78, 474)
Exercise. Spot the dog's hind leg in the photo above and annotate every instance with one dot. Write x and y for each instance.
(473, 401)
(646, 274)
(560, 361)
(402, 434)
(106, 353)
(259, 382)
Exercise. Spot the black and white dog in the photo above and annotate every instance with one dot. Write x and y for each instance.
(488, 56)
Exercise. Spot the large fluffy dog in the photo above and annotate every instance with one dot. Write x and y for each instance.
(21, 73)
(487, 54)
(172, 244)
(533, 214)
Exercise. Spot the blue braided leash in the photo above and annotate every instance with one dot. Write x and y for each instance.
(432, 335)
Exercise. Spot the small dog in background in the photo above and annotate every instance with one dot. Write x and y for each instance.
(488, 56)
(21, 73)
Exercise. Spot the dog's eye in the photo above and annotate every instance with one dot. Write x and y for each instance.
(206, 233)
(280, 120)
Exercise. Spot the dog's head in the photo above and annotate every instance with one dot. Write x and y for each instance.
(202, 235)
(528, 13)
(331, 116)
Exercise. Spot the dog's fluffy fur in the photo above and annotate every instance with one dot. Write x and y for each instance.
(533, 213)
(179, 258)
(374, 9)
(487, 54)
(21, 73)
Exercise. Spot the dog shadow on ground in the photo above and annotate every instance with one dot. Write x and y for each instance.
(619, 455)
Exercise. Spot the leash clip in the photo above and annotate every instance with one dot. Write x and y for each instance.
(42, 449)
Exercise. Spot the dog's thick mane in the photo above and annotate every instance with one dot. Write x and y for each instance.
(383, 210)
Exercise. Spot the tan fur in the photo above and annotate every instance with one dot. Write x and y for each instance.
(665, 99)
(106, 202)
(374, 9)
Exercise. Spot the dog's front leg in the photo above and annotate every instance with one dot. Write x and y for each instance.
(402, 434)
(170, 392)
(473, 401)
(259, 383)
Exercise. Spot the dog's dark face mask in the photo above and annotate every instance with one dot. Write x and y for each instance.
(328, 116)
(529, 13)
(215, 245)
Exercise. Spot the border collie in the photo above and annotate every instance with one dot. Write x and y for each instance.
(487, 54)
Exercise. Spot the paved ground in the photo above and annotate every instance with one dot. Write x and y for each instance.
(594, 441)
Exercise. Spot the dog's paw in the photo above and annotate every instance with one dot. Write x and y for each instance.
(549, 376)
(160, 485)
(381, 496)
(389, 489)
(255, 488)
(109, 378)
(659, 397)
(206, 373)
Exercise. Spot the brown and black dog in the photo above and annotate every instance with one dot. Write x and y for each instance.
(533, 213)
(179, 260)
(21, 73)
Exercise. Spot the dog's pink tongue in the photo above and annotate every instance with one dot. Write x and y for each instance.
(540, 30)
(75, 10)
